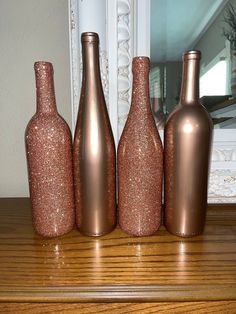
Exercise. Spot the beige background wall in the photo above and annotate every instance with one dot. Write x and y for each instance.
(30, 30)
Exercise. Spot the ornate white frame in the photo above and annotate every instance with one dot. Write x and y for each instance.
(127, 35)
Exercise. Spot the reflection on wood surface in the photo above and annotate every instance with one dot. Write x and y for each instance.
(116, 267)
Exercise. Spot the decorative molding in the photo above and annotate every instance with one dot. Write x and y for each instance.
(104, 75)
(124, 61)
(112, 57)
(74, 62)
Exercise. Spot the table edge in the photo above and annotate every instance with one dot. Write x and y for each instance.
(119, 293)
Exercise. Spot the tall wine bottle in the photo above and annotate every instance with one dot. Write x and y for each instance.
(94, 149)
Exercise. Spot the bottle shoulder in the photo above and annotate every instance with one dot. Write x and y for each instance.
(190, 112)
(194, 115)
(134, 128)
(136, 136)
(42, 124)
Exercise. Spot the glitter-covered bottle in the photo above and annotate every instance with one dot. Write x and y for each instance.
(49, 158)
(94, 150)
(187, 144)
(140, 161)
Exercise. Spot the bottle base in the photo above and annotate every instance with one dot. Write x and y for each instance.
(91, 234)
(184, 235)
(53, 235)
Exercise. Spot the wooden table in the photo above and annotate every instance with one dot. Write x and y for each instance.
(116, 273)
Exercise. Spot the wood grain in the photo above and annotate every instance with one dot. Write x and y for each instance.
(116, 267)
(121, 308)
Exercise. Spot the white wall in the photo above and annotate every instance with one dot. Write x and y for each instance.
(30, 30)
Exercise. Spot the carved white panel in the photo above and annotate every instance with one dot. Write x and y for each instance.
(222, 186)
(104, 75)
(222, 181)
(224, 154)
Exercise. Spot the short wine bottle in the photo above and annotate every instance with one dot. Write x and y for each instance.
(49, 156)
(140, 160)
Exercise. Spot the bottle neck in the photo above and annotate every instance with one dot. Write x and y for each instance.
(91, 67)
(46, 102)
(140, 88)
(190, 82)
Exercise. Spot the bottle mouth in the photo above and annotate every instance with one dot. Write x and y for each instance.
(43, 66)
(192, 55)
(141, 59)
(141, 62)
(89, 36)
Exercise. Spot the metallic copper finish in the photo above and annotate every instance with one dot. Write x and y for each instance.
(140, 160)
(187, 146)
(94, 150)
(49, 156)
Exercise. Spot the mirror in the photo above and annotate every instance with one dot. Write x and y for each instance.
(130, 21)
(181, 25)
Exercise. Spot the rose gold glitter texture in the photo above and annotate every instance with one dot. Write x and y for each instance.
(140, 161)
(188, 134)
(49, 157)
(94, 150)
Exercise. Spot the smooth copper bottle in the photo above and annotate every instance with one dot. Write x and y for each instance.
(49, 156)
(187, 146)
(140, 160)
(94, 150)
